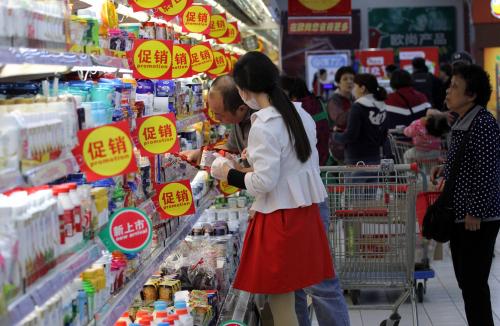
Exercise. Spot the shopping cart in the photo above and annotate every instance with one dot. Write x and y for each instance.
(372, 230)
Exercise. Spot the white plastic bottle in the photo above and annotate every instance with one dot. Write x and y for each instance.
(65, 212)
(77, 212)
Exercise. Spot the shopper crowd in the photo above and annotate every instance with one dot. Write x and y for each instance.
(294, 131)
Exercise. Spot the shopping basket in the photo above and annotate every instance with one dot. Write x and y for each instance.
(372, 230)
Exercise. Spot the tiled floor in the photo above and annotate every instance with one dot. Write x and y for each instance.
(443, 304)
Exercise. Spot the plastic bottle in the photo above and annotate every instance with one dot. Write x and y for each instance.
(160, 316)
(66, 208)
(173, 320)
(77, 210)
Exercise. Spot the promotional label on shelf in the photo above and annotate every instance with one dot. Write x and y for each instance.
(319, 7)
(181, 61)
(172, 10)
(105, 151)
(129, 230)
(202, 58)
(232, 35)
(226, 189)
(151, 59)
(221, 63)
(233, 323)
(174, 199)
(430, 54)
(140, 5)
(196, 19)
(218, 25)
(374, 61)
(157, 134)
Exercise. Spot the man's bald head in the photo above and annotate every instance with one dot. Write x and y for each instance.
(225, 101)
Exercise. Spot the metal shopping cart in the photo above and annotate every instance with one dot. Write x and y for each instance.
(372, 232)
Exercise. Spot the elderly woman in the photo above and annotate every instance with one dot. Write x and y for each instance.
(476, 195)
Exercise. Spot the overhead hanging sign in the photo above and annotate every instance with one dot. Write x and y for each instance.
(374, 61)
(174, 199)
(156, 134)
(221, 63)
(202, 57)
(218, 25)
(129, 230)
(229, 61)
(319, 7)
(430, 54)
(196, 19)
(172, 10)
(105, 151)
(181, 61)
(232, 35)
(151, 59)
(140, 5)
(319, 25)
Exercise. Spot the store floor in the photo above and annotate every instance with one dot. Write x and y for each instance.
(443, 304)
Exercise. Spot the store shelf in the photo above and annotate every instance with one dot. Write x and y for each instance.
(45, 288)
(10, 179)
(102, 60)
(10, 55)
(121, 302)
(183, 123)
(51, 171)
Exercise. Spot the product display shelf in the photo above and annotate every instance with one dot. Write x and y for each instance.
(118, 304)
(51, 171)
(10, 179)
(184, 123)
(54, 281)
(11, 55)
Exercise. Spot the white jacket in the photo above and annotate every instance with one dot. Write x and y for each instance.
(280, 180)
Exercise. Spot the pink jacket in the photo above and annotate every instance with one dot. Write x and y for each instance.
(421, 139)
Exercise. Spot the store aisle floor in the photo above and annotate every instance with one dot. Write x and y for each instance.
(443, 304)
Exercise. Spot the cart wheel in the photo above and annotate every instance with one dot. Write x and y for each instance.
(420, 292)
(354, 294)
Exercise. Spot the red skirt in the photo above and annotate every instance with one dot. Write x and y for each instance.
(284, 251)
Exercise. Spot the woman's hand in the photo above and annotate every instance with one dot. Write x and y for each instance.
(472, 223)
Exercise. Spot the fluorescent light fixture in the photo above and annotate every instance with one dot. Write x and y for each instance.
(27, 69)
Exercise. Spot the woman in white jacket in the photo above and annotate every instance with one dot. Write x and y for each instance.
(285, 247)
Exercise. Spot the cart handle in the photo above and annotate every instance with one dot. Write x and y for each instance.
(372, 168)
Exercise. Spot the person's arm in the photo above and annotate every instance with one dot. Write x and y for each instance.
(193, 156)
(353, 127)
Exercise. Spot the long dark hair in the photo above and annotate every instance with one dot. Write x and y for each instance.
(371, 84)
(255, 72)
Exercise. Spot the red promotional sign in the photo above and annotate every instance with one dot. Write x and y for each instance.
(218, 25)
(196, 19)
(319, 7)
(130, 230)
(151, 59)
(232, 35)
(172, 10)
(181, 61)
(174, 199)
(202, 57)
(222, 65)
(319, 25)
(374, 61)
(430, 54)
(156, 134)
(105, 151)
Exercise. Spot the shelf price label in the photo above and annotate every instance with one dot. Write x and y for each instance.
(174, 199)
(173, 9)
(218, 25)
(105, 151)
(140, 5)
(226, 189)
(129, 230)
(156, 134)
(181, 61)
(202, 57)
(221, 63)
(232, 35)
(196, 19)
(151, 59)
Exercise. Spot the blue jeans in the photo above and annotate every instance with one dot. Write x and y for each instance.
(327, 296)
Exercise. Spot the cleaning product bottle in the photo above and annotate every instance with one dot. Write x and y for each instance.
(77, 212)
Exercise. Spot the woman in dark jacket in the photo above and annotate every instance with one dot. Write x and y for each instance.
(476, 197)
(365, 131)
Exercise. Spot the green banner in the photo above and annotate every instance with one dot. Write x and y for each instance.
(414, 27)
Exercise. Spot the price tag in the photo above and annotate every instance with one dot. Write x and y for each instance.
(151, 59)
(105, 151)
(175, 199)
(173, 9)
(218, 25)
(181, 61)
(157, 134)
(196, 19)
(232, 35)
(202, 57)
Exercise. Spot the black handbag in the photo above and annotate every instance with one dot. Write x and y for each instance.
(440, 216)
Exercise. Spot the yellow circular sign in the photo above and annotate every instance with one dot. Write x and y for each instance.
(157, 134)
(232, 34)
(148, 4)
(181, 61)
(107, 151)
(202, 58)
(220, 61)
(174, 9)
(319, 5)
(152, 59)
(196, 19)
(218, 26)
(175, 199)
(227, 189)
(211, 116)
(234, 59)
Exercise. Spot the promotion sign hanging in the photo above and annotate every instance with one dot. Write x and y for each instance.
(105, 151)
(374, 61)
(319, 7)
(174, 199)
(151, 59)
(129, 230)
(196, 19)
(181, 61)
(229, 61)
(218, 25)
(156, 134)
(211, 116)
(202, 57)
(140, 5)
(220, 62)
(430, 54)
(232, 35)
(172, 10)
(226, 189)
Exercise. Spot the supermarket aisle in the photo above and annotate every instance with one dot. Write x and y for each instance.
(442, 306)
